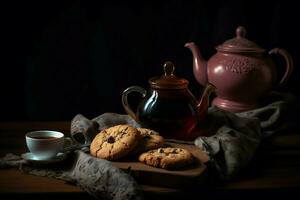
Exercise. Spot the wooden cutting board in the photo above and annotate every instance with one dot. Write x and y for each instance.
(170, 178)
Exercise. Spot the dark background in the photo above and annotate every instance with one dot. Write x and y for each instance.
(61, 58)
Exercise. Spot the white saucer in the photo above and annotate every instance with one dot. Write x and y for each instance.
(30, 158)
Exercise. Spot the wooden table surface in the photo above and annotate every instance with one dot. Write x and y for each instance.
(275, 171)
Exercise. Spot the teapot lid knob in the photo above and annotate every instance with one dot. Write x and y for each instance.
(240, 44)
(240, 32)
(169, 68)
(168, 80)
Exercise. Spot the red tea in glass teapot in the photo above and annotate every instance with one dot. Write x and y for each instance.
(168, 106)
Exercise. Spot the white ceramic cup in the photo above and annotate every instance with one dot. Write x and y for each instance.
(46, 144)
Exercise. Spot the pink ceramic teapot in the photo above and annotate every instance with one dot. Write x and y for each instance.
(241, 71)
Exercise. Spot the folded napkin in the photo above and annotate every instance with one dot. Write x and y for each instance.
(238, 135)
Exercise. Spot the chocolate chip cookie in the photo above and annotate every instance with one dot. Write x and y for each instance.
(115, 142)
(167, 158)
(149, 140)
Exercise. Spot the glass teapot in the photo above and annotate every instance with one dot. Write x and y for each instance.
(168, 106)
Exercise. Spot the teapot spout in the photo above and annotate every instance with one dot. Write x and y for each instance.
(204, 101)
(199, 64)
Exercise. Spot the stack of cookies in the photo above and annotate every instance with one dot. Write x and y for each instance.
(118, 141)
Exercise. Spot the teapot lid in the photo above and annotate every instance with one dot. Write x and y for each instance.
(240, 44)
(168, 80)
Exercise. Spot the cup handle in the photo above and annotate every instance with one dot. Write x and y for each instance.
(289, 64)
(125, 99)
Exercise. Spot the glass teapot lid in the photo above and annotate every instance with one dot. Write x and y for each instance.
(240, 44)
(168, 80)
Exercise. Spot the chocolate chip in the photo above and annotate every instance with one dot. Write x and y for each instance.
(161, 151)
(147, 137)
(110, 139)
(174, 151)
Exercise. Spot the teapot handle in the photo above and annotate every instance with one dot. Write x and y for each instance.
(125, 100)
(289, 64)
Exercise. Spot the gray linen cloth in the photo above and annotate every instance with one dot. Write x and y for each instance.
(234, 136)
(232, 144)
(96, 176)
(238, 135)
